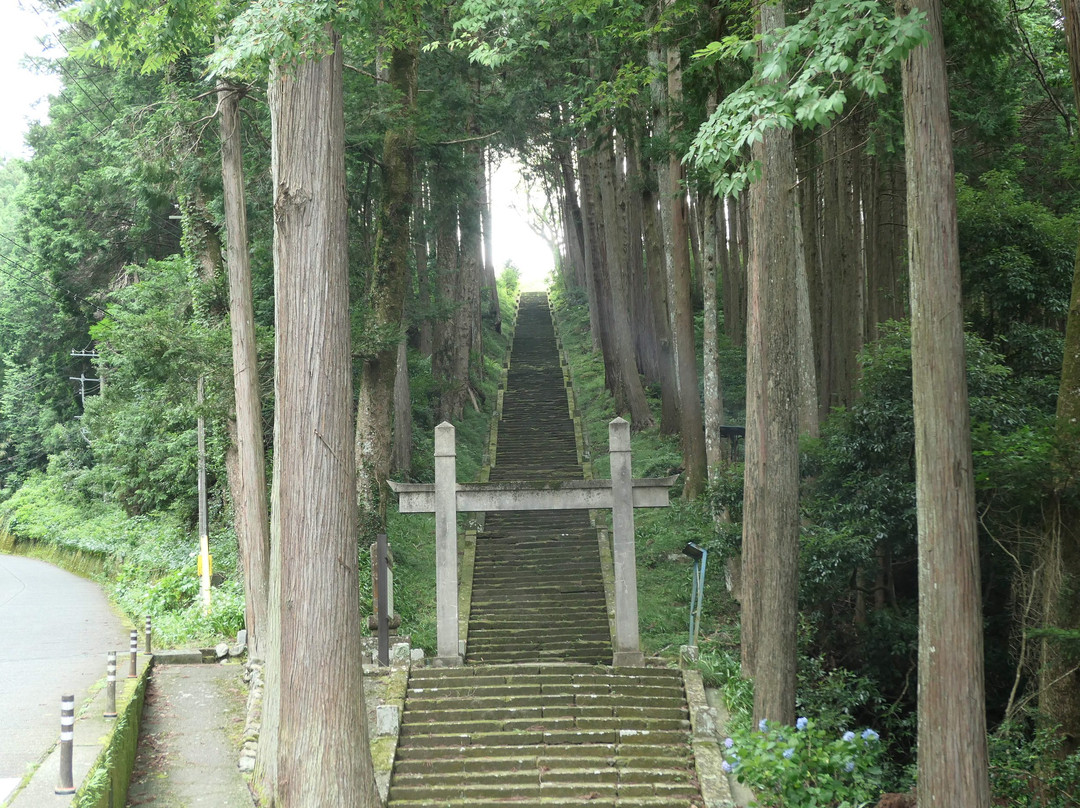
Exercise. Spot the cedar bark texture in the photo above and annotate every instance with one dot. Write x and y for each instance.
(386, 297)
(1059, 679)
(322, 750)
(771, 509)
(250, 508)
(952, 722)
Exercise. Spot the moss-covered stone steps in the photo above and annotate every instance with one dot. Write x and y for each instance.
(544, 735)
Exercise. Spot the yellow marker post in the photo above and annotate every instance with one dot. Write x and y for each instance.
(204, 538)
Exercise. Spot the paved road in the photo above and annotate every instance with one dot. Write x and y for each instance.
(56, 629)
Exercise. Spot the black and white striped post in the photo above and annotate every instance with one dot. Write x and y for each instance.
(132, 673)
(149, 634)
(67, 738)
(110, 685)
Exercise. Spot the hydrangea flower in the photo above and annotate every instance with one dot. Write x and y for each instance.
(762, 724)
(849, 766)
(728, 743)
(726, 767)
(869, 735)
(789, 752)
(848, 736)
(801, 724)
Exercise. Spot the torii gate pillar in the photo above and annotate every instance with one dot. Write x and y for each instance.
(446, 569)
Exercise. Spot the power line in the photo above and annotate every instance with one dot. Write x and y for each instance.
(161, 220)
(33, 287)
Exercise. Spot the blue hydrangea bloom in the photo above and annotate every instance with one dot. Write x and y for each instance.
(762, 724)
(801, 724)
(869, 735)
(789, 752)
(728, 743)
(726, 767)
(849, 766)
(848, 736)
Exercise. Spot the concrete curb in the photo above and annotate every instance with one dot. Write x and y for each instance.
(384, 747)
(104, 749)
(708, 759)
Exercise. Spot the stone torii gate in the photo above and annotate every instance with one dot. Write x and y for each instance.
(621, 494)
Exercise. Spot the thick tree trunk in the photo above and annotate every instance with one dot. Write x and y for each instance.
(490, 288)
(449, 359)
(593, 243)
(323, 721)
(771, 510)
(472, 252)
(656, 290)
(401, 456)
(714, 394)
(1059, 698)
(601, 280)
(734, 277)
(809, 424)
(952, 714)
(423, 274)
(626, 385)
(386, 298)
(572, 219)
(250, 509)
(640, 306)
(680, 286)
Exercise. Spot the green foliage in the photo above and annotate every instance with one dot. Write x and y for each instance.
(1029, 770)
(806, 765)
(145, 34)
(510, 279)
(281, 32)
(862, 488)
(1017, 262)
(142, 428)
(803, 75)
(721, 668)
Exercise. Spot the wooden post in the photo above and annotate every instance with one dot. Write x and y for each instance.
(446, 572)
(627, 640)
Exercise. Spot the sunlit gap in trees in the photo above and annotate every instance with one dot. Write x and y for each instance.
(524, 227)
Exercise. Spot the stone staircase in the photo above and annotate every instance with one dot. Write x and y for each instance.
(537, 717)
(544, 735)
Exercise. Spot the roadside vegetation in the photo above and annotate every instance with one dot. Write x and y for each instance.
(127, 516)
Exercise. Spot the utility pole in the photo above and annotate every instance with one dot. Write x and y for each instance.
(82, 378)
(204, 533)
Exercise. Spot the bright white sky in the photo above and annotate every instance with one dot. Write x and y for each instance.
(513, 239)
(25, 98)
(20, 28)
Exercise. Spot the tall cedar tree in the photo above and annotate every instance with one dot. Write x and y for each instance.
(952, 719)
(1059, 682)
(386, 294)
(771, 510)
(323, 758)
(245, 461)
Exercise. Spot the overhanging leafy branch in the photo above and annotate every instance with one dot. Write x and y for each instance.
(804, 75)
